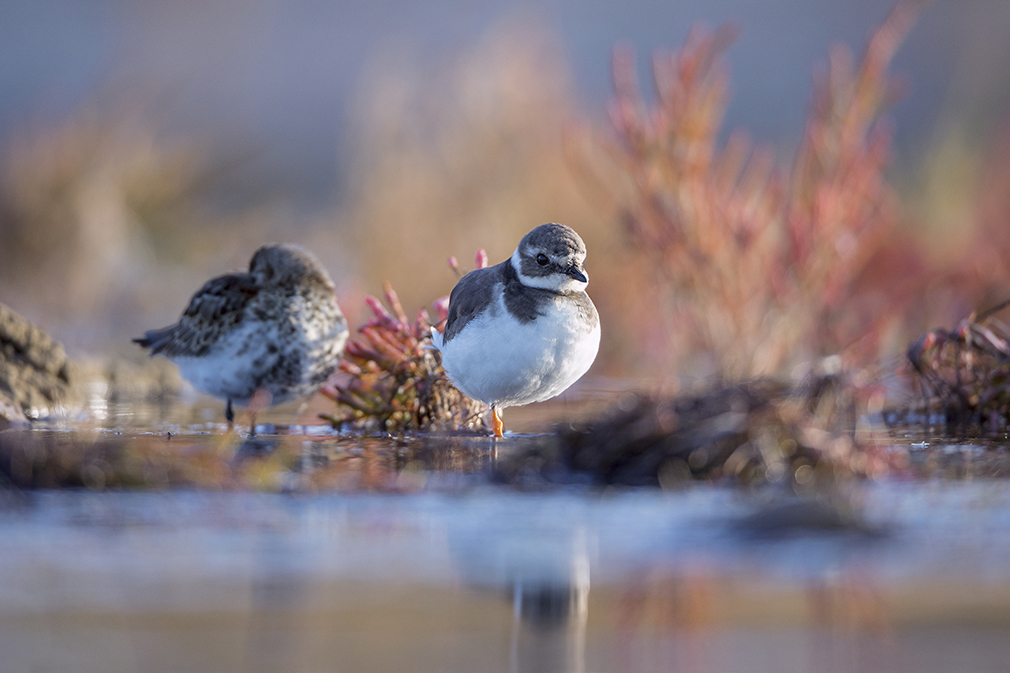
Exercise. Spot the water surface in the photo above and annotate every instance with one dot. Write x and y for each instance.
(484, 578)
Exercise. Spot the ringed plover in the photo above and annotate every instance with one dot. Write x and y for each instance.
(523, 330)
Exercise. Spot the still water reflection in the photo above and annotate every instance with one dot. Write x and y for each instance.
(487, 579)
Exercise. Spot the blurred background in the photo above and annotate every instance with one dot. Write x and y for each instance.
(752, 199)
(147, 146)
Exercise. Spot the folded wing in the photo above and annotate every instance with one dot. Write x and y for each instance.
(215, 309)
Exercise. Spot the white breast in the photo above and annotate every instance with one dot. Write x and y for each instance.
(228, 370)
(248, 357)
(497, 359)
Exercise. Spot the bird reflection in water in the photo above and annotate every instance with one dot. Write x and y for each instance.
(549, 617)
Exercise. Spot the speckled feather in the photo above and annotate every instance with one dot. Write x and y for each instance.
(213, 311)
(277, 327)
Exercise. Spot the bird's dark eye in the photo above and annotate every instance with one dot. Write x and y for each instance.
(542, 259)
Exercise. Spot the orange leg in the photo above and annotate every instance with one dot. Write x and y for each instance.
(496, 423)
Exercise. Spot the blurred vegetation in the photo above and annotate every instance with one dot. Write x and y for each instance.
(963, 378)
(472, 155)
(707, 256)
(804, 435)
(75, 198)
(106, 220)
(463, 157)
(961, 202)
(755, 265)
(723, 259)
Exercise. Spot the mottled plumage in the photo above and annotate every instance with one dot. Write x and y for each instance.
(523, 330)
(276, 328)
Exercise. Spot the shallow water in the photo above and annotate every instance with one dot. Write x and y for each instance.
(491, 579)
(404, 555)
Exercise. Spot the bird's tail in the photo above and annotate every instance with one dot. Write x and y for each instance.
(156, 339)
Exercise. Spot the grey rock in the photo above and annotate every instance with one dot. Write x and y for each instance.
(36, 378)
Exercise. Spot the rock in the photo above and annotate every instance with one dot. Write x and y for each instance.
(133, 377)
(35, 374)
(10, 414)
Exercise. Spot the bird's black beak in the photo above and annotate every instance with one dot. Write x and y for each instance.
(575, 274)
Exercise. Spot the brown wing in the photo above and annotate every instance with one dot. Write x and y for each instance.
(212, 311)
(472, 296)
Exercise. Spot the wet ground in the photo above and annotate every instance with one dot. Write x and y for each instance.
(308, 550)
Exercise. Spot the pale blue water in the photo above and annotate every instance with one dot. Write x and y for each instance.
(114, 542)
(561, 580)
